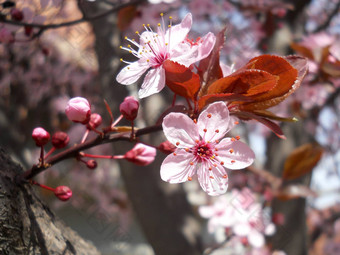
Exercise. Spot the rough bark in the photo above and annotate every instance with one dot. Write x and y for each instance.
(27, 225)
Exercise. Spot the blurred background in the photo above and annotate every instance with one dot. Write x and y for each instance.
(53, 50)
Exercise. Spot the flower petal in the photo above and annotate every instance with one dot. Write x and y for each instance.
(180, 130)
(215, 119)
(154, 82)
(235, 154)
(132, 72)
(178, 33)
(205, 46)
(213, 182)
(176, 167)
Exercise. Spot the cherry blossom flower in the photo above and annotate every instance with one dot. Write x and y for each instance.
(200, 151)
(155, 48)
(242, 214)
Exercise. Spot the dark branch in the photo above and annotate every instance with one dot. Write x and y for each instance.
(73, 152)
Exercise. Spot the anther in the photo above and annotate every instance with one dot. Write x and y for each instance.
(217, 131)
(236, 122)
(195, 121)
(233, 139)
(231, 150)
(191, 163)
(222, 163)
(210, 168)
(225, 176)
(215, 165)
(189, 178)
(187, 149)
(209, 115)
(205, 130)
(211, 177)
(237, 137)
(175, 154)
(233, 161)
(177, 143)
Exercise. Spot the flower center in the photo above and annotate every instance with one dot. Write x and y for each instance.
(153, 47)
(203, 151)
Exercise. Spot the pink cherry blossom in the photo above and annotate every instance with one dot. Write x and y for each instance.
(154, 48)
(199, 149)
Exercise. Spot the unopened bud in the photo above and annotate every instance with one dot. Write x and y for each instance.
(63, 193)
(78, 109)
(95, 121)
(129, 108)
(141, 154)
(91, 164)
(166, 147)
(60, 140)
(40, 136)
(16, 14)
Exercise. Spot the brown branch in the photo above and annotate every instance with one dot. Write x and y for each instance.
(73, 152)
(73, 22)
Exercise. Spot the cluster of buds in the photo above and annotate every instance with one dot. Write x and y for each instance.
(78, 110)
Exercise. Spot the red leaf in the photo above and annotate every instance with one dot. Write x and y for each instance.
(277, 66)
(247, 82)
(181, 80)
(301, 161)
(208, 99)
(209, 69)
(271, 125)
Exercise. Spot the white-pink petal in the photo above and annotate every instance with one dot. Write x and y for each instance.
(154, 82)
(180, 130)
(178, 33)
(177, 169)
(212, 182)
(206, 45)
(215, 119)
(131, 73)
(235, 154)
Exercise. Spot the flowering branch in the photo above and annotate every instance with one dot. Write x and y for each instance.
(74, 151)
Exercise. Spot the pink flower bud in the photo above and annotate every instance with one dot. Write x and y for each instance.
(278, 219)
(129, 108)
(63, 193)
(78, 109)
(95, 121)
(166, 147)
(141, 154)
(91, 164)
(40, 136)
(60, 140)
(17, 14)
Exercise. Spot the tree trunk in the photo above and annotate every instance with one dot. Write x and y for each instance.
(27, 225)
